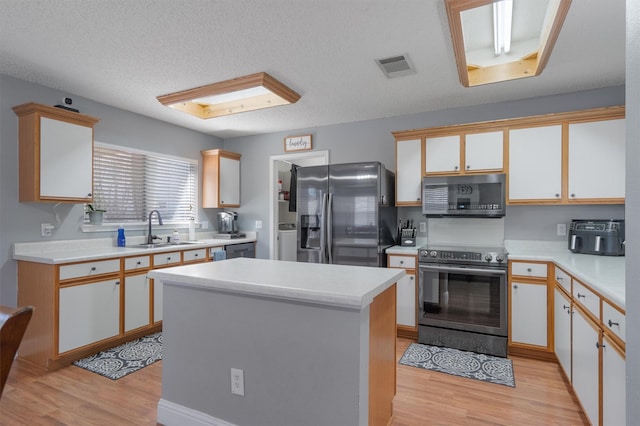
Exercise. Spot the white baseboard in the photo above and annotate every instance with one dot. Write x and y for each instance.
(170, 414)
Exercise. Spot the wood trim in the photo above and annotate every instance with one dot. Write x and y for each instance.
(596, 114)
(382, 357)
(40, 110)
(530, 351)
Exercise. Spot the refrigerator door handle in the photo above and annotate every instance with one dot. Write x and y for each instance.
(323, 227)
(329, 213)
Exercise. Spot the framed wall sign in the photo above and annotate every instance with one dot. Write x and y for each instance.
(297, 143)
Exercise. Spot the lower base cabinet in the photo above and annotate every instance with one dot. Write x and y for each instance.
(562, 331)
(88, 313)
(613, 384)
(585, 364)
(529, 314)
(406, 305)
(136, 305)
(157, 301)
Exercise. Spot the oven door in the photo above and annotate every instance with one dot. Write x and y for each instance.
(463, 298)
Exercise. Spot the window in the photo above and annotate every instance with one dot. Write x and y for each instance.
(128, 184)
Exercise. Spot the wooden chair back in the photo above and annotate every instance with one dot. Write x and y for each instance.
(13, 323)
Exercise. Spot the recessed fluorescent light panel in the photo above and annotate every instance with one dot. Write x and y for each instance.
(249, 93)
(500, 40)
(396, 66)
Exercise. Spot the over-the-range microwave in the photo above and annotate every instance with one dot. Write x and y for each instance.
(481, 195)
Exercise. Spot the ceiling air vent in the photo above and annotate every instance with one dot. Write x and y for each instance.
(396, 66)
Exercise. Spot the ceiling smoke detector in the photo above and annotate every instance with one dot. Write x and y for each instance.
(396, 66)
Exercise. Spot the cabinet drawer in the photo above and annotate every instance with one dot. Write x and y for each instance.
(613, 320)
(133, 263)
(538, 270)
(191, 255)
(89, 269)
(586, 298)
(166, 259)
(407, 262)
(563, 279)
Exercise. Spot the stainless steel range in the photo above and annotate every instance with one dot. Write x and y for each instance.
(463, 298)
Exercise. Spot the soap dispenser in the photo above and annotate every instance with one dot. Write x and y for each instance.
(121, 238)
(175, 237)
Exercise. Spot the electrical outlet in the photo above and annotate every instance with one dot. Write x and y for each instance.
(561, 230)
(258, 224)
(46, 229)
(423, 226)
(237, 381)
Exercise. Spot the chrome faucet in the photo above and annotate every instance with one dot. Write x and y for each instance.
(150, 236)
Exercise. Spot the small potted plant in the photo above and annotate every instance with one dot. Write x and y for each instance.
(95, 214)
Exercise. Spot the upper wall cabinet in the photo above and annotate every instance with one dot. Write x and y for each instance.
(408, 172)
(220, 179)
(484, 151)
(596, 160)
(442, 154)
(535, 164)
(56, 154)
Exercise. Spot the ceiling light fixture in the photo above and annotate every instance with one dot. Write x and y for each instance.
(502, 20)
(497, 40)
(248, 93)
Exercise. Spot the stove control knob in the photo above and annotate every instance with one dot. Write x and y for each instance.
(488, 257)
(433, 253)
(499, 258)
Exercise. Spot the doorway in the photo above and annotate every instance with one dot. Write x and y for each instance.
(278, 167)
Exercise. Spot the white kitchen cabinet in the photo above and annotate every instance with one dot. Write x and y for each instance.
(136, 301)
(597, 160)
(442, 154)
(528, 314)
(88, 313)
(406, 300)
(408, 172)
(562, 330)
(613, 384)
(220, 179)
(484, 151)
(55, 154)
(585, 340)
(406, 294)
(535, 164)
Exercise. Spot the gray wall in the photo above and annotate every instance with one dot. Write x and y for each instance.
(20, 222)
(372, 140)
(633, 207)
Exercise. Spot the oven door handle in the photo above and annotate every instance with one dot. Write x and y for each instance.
(479, 271)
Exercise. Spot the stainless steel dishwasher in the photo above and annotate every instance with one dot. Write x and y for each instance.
(240, 250)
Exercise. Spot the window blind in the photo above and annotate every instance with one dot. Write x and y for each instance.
(129, 184)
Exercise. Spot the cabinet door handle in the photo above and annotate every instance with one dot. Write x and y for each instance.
(559, 278)
(574, 196)
(515, 286)
(598, 345)
(468, 167)
(117, 282)
(411, 278)
(455, 167)
(195, 255)
(93, 268)
(581, 295)
(402, 262)
(528, 269)
(611, 323)
(557, 195)
(566, 308)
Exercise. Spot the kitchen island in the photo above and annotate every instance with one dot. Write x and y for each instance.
(315, 343)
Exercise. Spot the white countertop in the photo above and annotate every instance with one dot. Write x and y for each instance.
(352, 287)
(606, 274)
(68, 251)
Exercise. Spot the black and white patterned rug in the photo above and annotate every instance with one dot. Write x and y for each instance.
(127, 358)
(482, 367)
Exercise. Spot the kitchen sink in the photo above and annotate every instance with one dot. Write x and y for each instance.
(158, 245)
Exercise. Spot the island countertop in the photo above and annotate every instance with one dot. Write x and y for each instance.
(352, 287)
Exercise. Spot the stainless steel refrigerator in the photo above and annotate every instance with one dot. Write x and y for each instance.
(346, 214)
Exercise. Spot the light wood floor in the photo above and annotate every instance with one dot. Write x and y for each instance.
(73, 396)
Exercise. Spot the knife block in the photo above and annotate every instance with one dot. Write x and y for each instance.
(407, 237)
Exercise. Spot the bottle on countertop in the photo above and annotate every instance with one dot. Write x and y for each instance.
(192, 229)
(175, 237)
(121, 238)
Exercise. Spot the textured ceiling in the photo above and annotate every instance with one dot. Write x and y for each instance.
(124, 53)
